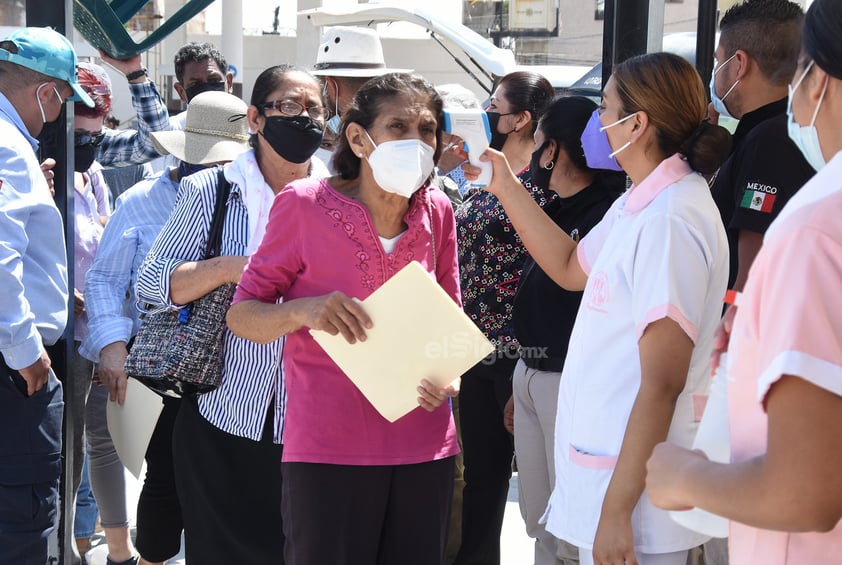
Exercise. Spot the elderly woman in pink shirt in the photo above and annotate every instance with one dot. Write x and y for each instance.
(783, 488)
(358, 489)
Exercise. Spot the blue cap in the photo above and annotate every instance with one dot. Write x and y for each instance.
(45, 50)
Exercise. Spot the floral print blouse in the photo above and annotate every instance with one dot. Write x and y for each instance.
(491, 257)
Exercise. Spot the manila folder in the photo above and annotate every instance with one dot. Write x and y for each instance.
(418, 332)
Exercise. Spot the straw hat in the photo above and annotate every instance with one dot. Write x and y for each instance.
(351, 52)
(216, 130)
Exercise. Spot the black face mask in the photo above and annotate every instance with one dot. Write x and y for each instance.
(541, 175)
(186, 169)
(203, 87)
(497, 138)
(295, 138)
(83, 157)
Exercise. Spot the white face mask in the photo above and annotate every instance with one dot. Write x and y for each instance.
(806, 138)
(401, 166)
(325, 157)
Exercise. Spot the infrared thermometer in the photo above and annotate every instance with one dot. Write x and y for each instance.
(471, 125)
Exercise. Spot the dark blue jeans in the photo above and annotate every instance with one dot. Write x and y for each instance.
(30, 465)
(84, 524)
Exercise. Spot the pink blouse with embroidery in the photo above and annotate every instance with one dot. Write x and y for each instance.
(319, 241)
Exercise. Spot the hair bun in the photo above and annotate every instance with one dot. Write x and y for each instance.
(707, 147)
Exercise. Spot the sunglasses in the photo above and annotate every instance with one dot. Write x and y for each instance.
(88, 138)
(97, 89)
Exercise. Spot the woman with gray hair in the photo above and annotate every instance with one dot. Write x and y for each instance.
(232, 435)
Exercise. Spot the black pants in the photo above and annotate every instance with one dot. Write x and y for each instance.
(159, 522)
(30, 465)
(488, 449)
(367, 515)
(230, 492)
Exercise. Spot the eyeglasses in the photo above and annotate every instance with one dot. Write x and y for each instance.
(293, 108)
(88, 138)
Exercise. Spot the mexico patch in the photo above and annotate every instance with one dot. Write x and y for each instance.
(758, 199)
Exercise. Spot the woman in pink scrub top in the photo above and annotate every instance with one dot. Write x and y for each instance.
(654, 272)
(783, 488)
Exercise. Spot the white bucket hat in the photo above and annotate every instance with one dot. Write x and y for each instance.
(216, 131)
(351, 52)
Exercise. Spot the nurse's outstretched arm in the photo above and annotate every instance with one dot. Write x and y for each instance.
(795, 486)
(547, 243)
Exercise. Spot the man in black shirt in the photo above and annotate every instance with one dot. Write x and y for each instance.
(758, 48)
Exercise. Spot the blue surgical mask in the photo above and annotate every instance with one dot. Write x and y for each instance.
(335, 121)
(598, 153)
(719, 103)
(806, 138)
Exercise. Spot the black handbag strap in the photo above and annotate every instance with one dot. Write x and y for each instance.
(223, 190)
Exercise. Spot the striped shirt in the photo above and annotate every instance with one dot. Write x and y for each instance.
(141, 212)
(252, 375)
(120, 148)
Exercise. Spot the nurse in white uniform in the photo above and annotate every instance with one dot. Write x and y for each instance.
(654, 272)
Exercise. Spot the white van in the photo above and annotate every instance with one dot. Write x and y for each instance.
(476, 55)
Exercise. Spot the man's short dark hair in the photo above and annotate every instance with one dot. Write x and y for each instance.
(195, 53)
(769, 31)
(16, 76)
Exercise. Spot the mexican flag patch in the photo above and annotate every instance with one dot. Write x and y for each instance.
(757, 200)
